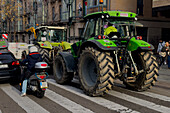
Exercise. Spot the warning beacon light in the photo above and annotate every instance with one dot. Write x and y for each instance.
(101, 1)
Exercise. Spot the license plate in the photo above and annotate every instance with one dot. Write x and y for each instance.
(4, 66)
(43, 39)
(43, 85)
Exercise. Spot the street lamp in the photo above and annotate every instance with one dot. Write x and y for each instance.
(69, 4)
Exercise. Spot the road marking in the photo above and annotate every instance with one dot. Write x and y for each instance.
(157, 96)
(101, 101)
(141, 102)
(0, 111)
(66, 103)
(25, 102)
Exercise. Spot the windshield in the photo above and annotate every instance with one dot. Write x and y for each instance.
(53, 35)
(124, 28)
(57, 35)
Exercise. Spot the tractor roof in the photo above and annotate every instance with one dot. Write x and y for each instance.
(119, 14)
(51, 27)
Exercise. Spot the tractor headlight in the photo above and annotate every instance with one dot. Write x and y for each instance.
(45, 33)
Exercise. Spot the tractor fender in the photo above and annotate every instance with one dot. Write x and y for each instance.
(46, 45)
(95, 43)
(66, 45)
(139, 45)
(69, 61)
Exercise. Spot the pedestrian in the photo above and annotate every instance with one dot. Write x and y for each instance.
(161, 51)
(168, 55)
(167, 50)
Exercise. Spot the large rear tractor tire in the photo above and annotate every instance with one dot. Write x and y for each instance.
(96, 72)
(146, 79)
(60, 72)
(46, 56)
(39, 48)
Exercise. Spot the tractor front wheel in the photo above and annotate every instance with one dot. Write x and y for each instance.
(96, 72)
(60, 72)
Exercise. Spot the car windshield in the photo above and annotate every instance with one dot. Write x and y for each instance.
(125, 28)
(57, 35)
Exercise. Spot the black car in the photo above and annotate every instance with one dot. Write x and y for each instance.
(9, 66)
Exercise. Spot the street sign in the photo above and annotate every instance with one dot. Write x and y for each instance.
(5, 36)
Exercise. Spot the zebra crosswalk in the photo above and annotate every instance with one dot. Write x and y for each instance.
(67, 99)
(26, 103)
(70, 105)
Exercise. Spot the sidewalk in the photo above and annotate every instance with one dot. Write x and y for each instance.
(164, 70)
(164, 73)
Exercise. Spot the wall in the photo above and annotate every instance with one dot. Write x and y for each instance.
(123, 5)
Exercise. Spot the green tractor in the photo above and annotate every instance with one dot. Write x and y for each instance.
(50, 40)
(108, 49)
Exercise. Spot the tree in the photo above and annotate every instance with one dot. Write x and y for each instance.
(10, 13)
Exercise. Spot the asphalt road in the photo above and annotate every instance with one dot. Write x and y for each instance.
(70, 98)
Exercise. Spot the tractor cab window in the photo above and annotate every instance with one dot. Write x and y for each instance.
(89, 30)
(57, 35)
(124, 28)
(99, 28)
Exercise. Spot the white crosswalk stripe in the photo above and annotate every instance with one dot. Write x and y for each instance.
(26, 103)
(141, 102)
(31, 106)
(157, 96)
(66, 103)
(106, 103)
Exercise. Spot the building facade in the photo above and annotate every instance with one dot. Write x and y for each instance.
(153, 14)
(155, 25)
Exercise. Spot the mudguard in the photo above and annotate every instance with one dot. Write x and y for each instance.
(69, 61)
(103, 44)
(46, 45)
(66, 45)
(139, 45)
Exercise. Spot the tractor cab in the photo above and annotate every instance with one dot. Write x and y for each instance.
(51, 34)
(111, 25)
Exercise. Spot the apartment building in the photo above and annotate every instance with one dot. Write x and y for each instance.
(153, 16)
(161, 9)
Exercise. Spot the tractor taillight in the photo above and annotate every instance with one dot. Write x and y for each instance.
(139, 37)
(104, 36)
(99, 37)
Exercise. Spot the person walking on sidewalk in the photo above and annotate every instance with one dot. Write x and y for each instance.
(168, 55)
(167, 50)
(161, 51)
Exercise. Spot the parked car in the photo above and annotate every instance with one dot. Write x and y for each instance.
(9, 65)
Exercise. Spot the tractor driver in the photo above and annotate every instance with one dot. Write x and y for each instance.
(110, 30)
